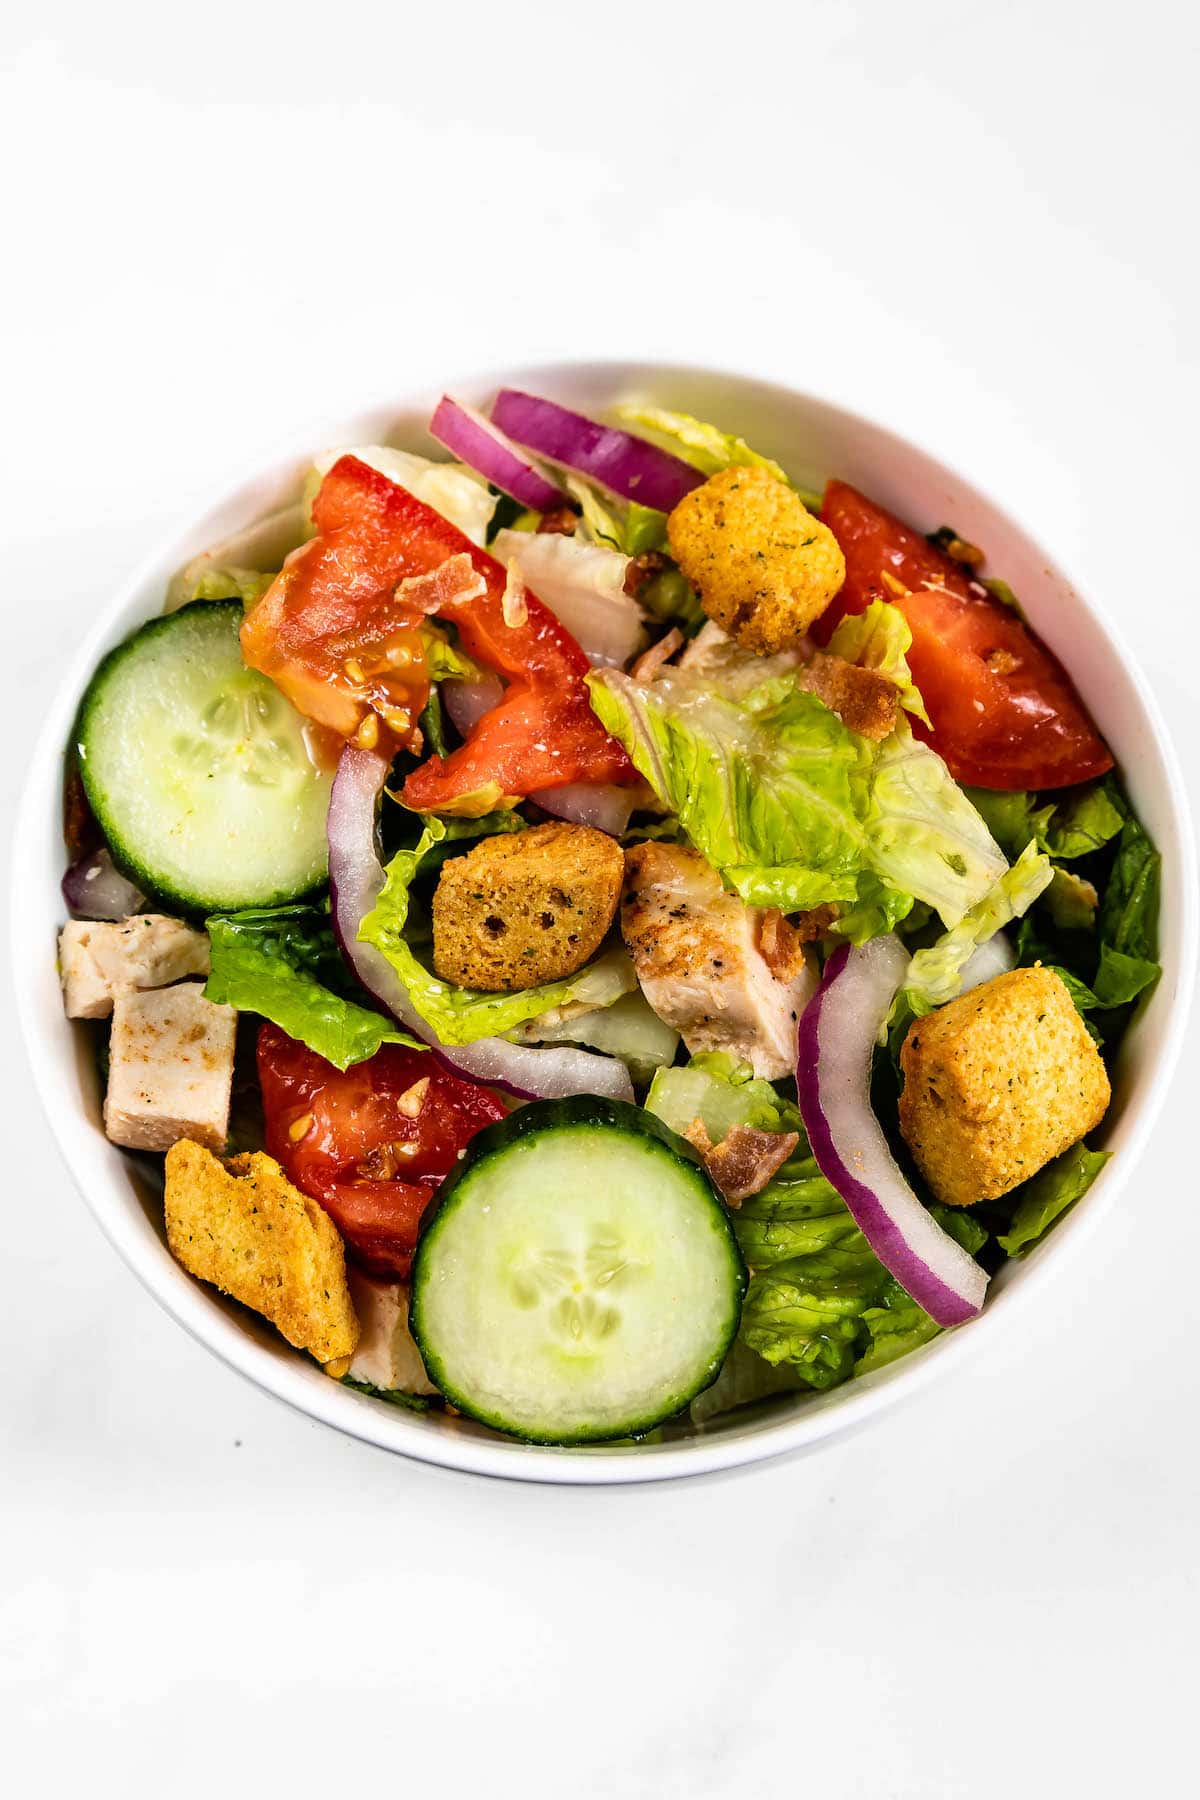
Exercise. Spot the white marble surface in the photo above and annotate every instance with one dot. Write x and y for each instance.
(226, 223)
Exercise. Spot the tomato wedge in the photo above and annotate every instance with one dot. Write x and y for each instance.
(335, 634)
(1005, 712)
(372, 1162)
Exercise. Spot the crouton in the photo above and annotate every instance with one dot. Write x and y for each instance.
(863, 699)
(997, 1083)
(170, 1068)
(242, 1226)
(765, 568)
(528, 907)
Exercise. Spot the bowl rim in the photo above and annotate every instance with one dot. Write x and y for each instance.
(302, 1386)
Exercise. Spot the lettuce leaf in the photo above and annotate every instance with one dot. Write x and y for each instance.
(819, 1301)
(880, 638)
(246, 585)
(1043, 1200)
(935, 974)
(444, 660)
(765, 788)
(706, 447)
(282, 963)
(795, 810)
(1129, 910)
(925, 836)
(1082, 823)
(461, 1015)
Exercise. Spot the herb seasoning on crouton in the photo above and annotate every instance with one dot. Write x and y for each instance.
(527, 908)
(997, 1083)
(764, 566)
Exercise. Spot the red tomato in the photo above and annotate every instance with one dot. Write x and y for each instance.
(332, 632)
(372, 1167)
(1005, 713)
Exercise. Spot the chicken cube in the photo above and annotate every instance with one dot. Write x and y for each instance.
(997, 1083)
(387, 1356)
(242, 1226)
(698, 957)
(170, 1068)
(765, 568)
(98, 960)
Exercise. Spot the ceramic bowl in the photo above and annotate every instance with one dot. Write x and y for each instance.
(813, 439)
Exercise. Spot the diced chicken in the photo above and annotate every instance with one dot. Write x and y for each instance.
(386, 1355)
(697, 954)
(170, 1069)
(98, 961)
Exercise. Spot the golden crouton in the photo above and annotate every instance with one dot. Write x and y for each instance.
(863, 699)
(997, 1083)
(244, 1227)
(765, 568)
(527, 907)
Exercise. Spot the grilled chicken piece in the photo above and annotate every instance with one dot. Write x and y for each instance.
(696, 952)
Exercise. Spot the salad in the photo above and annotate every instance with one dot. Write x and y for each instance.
(594, 934)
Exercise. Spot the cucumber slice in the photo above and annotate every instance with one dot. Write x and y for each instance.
(578, 1278)
(197, 768)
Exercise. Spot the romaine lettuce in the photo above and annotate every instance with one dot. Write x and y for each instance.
(795, 810)
(282, 963)
(461, 1015)
(706, 447)
(880, 638)
(458, 493)
(1047, 1196)
(935, 974)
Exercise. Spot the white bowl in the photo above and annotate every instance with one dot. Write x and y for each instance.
(813, 439)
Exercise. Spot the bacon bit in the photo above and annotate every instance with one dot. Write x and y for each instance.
(745, 1159)
(1003, 662)
(300, 1127)
(413, 1099)
(651, 661)
(781, 941)
(562, 521)
(863, 699)
(512, 603)
(642, 569)
(367, 735)
(895, 587)
(452, 583)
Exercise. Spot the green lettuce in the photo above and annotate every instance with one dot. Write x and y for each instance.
(282, 963)
(444, 660)
(462, 1015)
(705, 446)
(935, 974)
(925, 837)
(819, 1301)
(1085, 821)
(246, 585)
(1043, 1200)
(1128, 918)
(792, 808)
(880, 638)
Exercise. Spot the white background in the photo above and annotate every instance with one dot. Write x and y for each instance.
(222, 222)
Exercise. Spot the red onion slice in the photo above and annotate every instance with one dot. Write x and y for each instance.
(355, 879)
(595, 803)
(839, 1029)
(94, 888)
(482, 446)
(467, 701)
(626, 465)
